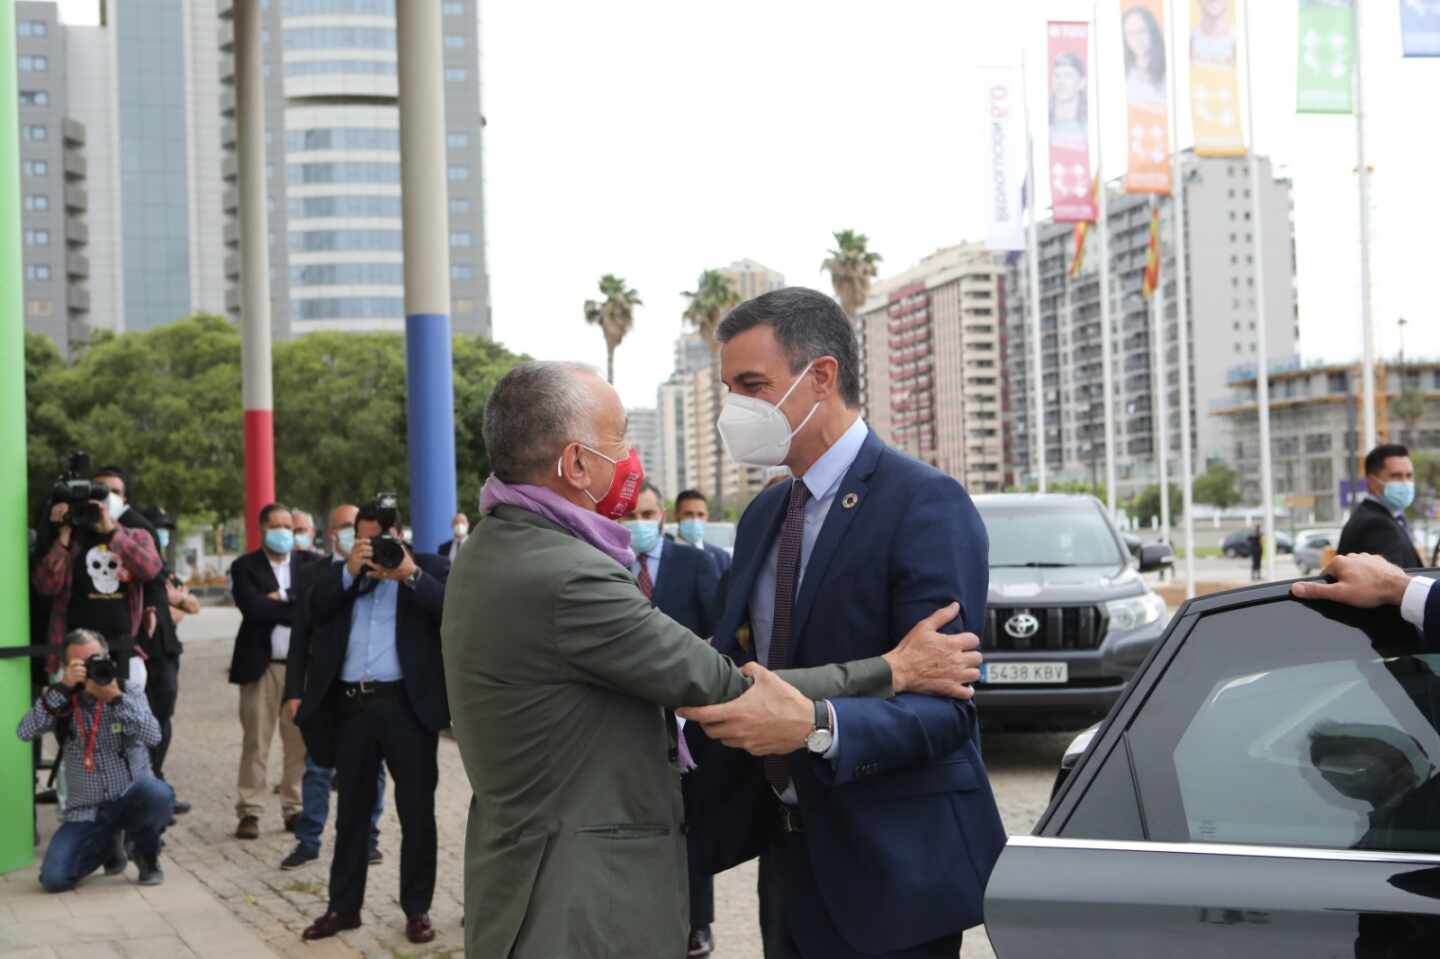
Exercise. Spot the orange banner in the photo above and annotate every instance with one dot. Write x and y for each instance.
(1214, 81)
(1147, 92)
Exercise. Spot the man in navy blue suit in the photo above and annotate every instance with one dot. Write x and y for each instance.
(1367, 581)
(683, 583)
(876, 836)
(692, 512)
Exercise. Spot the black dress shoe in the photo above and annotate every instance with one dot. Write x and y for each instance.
(418, 929)
(330, 924)
(375, 856)
(702, 943)
(291, 821)
(301, 855)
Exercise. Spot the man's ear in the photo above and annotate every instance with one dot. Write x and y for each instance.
(826, 373)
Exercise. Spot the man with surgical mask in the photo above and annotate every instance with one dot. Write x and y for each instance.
(305, 538)
(692, 513)
(1378, 524)
(459, 529)
(315, 786)
(832, 565)
(683, 584)
(263, 583)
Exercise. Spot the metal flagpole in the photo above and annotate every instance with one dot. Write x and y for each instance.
(1262, 361)
(1161, 432)
(1367, 319)
(1032, 257)
(1182, 306)
(254, 269)
(17, 786)
(1102, 236)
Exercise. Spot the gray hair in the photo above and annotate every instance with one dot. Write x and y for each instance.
(535, 410)
(84, 637)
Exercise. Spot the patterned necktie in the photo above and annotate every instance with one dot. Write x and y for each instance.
(787, 573)
(647, 585)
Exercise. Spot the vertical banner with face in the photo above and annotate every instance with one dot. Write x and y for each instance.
(1069, 67)
(1005, 136)
(1214, 79)
(1420, 28)
(1325, 81)
(1147, 76)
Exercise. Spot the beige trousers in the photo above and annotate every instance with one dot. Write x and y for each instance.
(261, 708)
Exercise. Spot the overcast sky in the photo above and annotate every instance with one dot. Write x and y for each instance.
(654, 139)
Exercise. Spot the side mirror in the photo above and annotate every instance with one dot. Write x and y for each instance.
(1073, 752)
(1156, 556)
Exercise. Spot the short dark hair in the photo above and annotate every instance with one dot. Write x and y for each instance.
(115, 471)
(808, 325)
(271, 508)
(1375, 459)
(371, 511)
(650, 487)
(690, 494)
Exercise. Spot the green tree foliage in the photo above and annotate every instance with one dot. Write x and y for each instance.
(166, 404)
(1216, 486)
(1146, 503)
(1409, 408)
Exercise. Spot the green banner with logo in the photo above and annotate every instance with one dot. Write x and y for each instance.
(1326, 62)
(17, 845)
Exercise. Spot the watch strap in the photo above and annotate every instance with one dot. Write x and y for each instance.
(822, 714)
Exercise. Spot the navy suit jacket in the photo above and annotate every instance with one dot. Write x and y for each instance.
(688, 589)
(721, 558)
(902, 828)
(1432, 618)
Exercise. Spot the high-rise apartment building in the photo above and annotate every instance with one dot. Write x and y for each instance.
(1223, 301)
(333, 166)
(751, 279)
(643, 434)
(933, 372)
(53, 197)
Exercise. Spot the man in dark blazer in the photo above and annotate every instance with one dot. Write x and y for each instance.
(877, 837)
(683, 583)
(692, 512)
(1377, 524)
(460, 528)
(262, 583)
(375, 690)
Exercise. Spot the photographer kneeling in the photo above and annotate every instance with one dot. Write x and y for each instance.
(107, 766)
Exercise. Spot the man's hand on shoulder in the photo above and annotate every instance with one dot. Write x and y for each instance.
(1361, 579)
(771, 718)
(934, 663)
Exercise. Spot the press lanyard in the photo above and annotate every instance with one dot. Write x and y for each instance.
(94, 731)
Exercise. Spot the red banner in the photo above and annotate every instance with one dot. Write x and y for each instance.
(1068, 65)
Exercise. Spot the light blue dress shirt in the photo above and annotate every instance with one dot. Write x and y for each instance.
(371, 655)
(823, 480)
(652, 563)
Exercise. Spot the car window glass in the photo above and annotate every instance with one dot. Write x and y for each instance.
(1108, 810)
(1077, 536)
(1286, 724)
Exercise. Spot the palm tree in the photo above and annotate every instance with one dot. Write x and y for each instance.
(711, 301)
(615, 315)
(851, 269)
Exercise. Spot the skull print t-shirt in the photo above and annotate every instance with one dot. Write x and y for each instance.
(97, 589)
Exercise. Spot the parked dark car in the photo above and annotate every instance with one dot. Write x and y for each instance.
(1237, 544)
(1268, 786)
(1069, 617)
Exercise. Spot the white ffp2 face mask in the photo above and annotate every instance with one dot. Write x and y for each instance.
(757, 433)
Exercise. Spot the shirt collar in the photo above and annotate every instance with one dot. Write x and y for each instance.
(280, 565)
(824, 477)
(1383, 505)
(657, 548)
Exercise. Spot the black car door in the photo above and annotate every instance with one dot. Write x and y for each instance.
(1270, 786)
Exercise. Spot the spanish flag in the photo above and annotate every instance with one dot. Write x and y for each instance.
(1082, 231)
(1152, 256)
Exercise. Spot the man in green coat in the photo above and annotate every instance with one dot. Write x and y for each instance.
(562, 677)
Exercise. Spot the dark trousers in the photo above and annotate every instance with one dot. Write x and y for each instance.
(702, 883)
(79, 848)
(381, 727)
(162, 689)
(794, 923)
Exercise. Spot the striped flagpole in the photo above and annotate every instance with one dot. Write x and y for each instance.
(430, 399)
(17, 848)
(254, 270)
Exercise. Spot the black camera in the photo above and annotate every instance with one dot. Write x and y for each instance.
(387, 550)
(100, 670)
(74, 488)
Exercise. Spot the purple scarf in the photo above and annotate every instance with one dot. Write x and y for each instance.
(608, 536)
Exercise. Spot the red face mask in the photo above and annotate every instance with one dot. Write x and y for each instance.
(624, 491)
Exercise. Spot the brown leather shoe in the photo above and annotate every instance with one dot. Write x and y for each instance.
(330, 924)
(418, 929)
(249, 828)
(291, 821)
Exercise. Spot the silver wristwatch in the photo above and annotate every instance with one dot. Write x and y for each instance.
(822, 737)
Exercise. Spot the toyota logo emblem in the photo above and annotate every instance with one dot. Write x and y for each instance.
(1022, 625)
